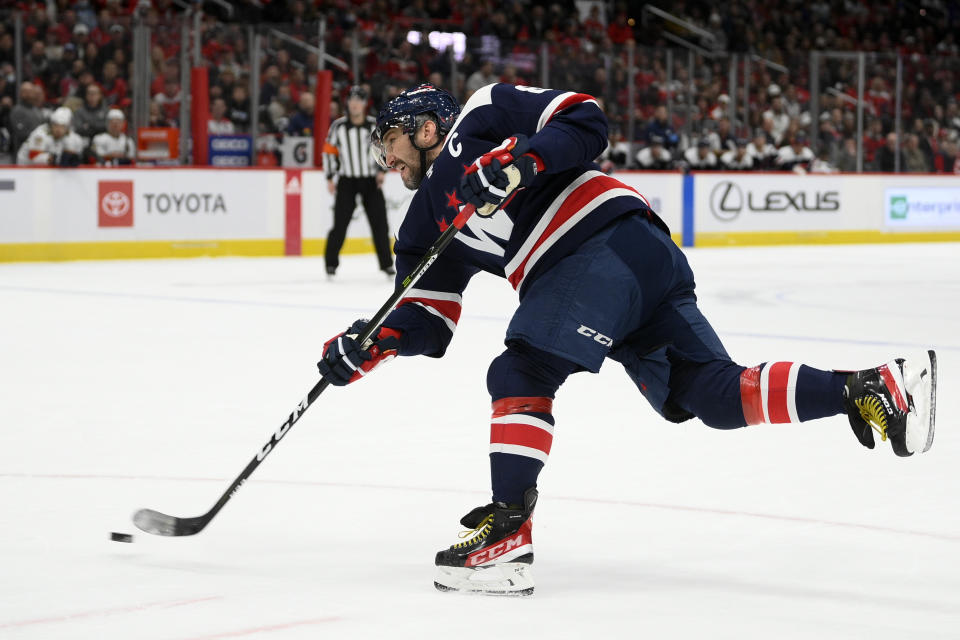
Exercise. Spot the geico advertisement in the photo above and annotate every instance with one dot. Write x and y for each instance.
(317, 205)
(773, 202)
(168, 204)
(921, 207)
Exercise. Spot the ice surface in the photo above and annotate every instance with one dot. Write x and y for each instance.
(152, 383)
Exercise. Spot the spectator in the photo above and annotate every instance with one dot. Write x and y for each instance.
(847, 156)
(660, 126)
(481, 77)
(26, 116)
(301, 123)
(91, 118)
(36, 62)
(655, 157)
(114, 147)
(114, 87)
(738, 158)
(821, 163)
(169, 100)
(271, 84)
(238, 108)
(796, 156)
(52, 144)
(7, 52)
(948, 161)
(887, 155)
(219, 124)
(780, 121)
(763, 152)
(157, 116)
(700, 156)
(914, 160)
(279, 109)
(722, 140)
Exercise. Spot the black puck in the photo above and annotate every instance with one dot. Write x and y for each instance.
(121, 537)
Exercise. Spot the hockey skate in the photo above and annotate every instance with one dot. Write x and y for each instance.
(496, 558)
(898, 400)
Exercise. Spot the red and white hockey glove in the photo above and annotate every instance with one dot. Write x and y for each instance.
(345, 360)
(489, 181)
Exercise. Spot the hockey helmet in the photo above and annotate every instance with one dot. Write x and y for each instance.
(62, 116)
(403, 110)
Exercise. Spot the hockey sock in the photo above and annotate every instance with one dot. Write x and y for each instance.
(522, 382)
(790, 392)
(521, 434)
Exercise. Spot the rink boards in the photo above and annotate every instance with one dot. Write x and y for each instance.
(66, 214)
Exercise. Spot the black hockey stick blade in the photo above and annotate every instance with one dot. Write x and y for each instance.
(160, 524)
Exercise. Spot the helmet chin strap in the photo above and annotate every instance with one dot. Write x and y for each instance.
(423, 153)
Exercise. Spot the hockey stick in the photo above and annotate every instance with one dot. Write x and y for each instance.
(162, 524)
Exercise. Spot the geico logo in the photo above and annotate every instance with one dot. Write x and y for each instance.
(185, 203)
(230, 144)
(230, 161)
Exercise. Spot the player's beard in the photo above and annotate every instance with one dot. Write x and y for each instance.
(412, 178)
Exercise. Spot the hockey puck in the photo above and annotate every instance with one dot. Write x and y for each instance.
(121, 537)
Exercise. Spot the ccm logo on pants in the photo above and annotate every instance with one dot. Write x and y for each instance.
(584, 330)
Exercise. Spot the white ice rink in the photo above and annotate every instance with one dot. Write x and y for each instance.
(152, 383)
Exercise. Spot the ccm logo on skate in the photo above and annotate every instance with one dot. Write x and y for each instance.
(497, 550)
(597, 337)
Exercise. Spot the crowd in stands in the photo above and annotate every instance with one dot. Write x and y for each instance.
(79, 56)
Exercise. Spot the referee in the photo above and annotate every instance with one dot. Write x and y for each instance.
(347, 156)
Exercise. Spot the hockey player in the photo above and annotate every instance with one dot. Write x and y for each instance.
(113, 147)
(53, 144)
(598, 277)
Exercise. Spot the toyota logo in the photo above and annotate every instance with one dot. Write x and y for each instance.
(116, 204)
(726, 201)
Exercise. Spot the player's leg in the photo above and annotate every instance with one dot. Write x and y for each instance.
(694, 376)
(376, 207)
(495, 558)
(343, 206)
(567, 320)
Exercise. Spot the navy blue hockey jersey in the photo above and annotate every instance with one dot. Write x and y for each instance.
(568, 201)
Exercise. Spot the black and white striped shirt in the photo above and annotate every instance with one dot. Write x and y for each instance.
(347, 152)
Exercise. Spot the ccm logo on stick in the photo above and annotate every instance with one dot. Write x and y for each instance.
(584, 330)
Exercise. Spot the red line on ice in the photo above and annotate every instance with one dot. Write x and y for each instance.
(163, 604)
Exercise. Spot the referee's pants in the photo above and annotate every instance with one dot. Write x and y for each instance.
(343, 208)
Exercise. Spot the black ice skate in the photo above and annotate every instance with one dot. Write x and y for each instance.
(496, 558)
(898, 400)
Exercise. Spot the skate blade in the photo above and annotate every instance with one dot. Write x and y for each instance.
(507, 579)
(920, 378)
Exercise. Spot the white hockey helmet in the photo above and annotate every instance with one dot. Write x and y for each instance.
(62, 115)
(115, 114)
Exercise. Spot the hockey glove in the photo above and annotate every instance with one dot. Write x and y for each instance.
(489, 181)
(345, 360)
